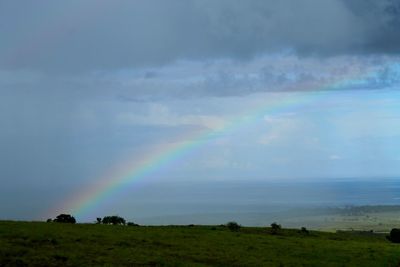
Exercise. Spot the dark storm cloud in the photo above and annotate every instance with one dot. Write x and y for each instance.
(82, 35)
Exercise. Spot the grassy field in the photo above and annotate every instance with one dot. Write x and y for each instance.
(56, 244)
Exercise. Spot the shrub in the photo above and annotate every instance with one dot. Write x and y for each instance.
(233, 226)
(304, 230)
(394, 235)
(275, 228)
(132, 224)
(49, 220)
(98, 220)
(114, 220)
(65, 218)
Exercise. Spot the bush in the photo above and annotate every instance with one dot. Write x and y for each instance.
(49, 220)
(98, 220)
(304, 230)
(65, 218)
(275, 228)
(394, 235)
(233, 226)
(114, 220)
(132, 224)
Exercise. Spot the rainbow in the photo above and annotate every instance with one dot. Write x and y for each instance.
(89, 198)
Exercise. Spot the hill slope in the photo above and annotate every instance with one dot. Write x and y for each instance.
(54, 244)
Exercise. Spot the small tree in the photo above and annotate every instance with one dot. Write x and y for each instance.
(394, 235)
(98, 220)
(114, 220)
(132, 224)
(65, 218)
(49, 220)
(304, 230)
(275, 228)
(233, 226)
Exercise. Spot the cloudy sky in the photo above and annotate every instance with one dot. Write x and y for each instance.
(283, 90)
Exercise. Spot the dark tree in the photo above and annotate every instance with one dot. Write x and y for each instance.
(394, 235)
(132, 224)
(98, 220)
(115, 220)
(65, 218)
(304, 230)
(275, 228)
(49, 220)
(233, 226)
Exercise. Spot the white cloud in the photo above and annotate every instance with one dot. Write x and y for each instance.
(335, 157)
(159, 114)
(268, 138)
(280, 127)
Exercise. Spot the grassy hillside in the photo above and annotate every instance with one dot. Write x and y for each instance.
(55, 244)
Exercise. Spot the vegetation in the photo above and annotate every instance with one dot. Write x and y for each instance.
(304, 230)
(394, 235)
(64, 218)
(233, 226)
(115, 220)
(56, 244)
(275, 228)
(132, 224)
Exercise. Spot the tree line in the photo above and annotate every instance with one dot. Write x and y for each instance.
(113, 220)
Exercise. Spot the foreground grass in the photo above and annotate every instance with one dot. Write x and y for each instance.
(54, 244)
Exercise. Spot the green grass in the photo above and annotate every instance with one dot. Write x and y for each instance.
(55, 244)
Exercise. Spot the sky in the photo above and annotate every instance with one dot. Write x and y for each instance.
(101, 99)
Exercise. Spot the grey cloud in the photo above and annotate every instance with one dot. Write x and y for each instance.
(211, 79)
(384, 77)
(84, 35)
(268, 74)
